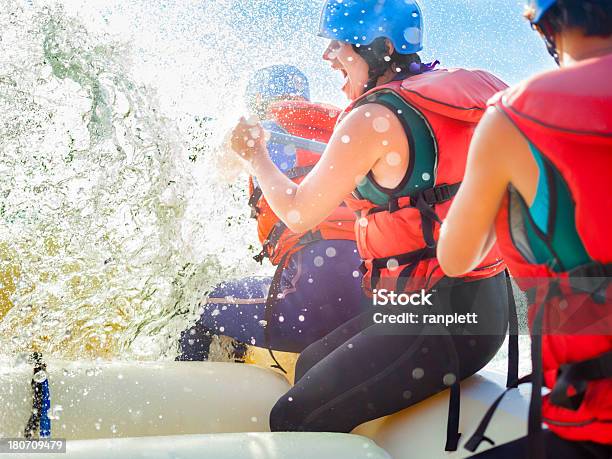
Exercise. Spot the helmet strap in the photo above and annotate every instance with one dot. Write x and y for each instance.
(547, 32)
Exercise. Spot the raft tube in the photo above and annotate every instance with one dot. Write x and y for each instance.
(221, 410)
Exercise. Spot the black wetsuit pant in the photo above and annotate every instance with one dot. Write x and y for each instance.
(362, 371)
(556, 448)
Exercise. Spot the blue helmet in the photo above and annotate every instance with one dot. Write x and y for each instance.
(360, 22)
(277, 81)
(538, 9)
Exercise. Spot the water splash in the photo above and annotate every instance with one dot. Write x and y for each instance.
(109, 235)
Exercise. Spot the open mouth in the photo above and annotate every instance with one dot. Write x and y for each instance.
(344, 75)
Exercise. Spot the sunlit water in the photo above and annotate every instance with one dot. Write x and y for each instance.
(111, 228)
(113, 220)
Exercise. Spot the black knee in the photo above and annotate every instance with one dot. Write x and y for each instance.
(286, 416)
(305, 362)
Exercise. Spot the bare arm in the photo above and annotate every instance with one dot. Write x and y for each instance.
(352, 152)
(497, 153)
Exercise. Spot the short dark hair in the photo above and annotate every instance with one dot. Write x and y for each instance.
(594, 17)
(379, 61)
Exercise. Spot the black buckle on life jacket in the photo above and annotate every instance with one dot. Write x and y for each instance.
(441, 193)
(309, 237)
(393, 204)
(593, 278)
(254, 200)
(576, 376)
(409, 258)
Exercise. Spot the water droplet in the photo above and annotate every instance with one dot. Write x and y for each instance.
(318, 261)
(345, 139)
(253, 418)
(310, 280)
(426, 176)
(356, 274)
(381, 124)
(289, 150)
(294, 216)
(56, 411)
(290, 399)
(119, 376)
(418, 373)
(97, 425)
(449, 379)
(40, 376)
(412, 35)
(281, 319)
(363, 222)
(113, 428)
(250, 143)
(407, 394)
(263, 323)
(392, 264)
(330, 252)
(221, 329)
(350, 345)
(393, 159)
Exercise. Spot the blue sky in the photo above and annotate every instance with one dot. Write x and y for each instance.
(199, 53)
(489, 34)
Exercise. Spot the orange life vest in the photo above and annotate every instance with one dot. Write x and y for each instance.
(397, 240)
(310, 121)
(566, 116)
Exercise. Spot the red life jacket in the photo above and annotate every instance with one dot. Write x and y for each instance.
(567, 116)
(397, 241)
(309, 121)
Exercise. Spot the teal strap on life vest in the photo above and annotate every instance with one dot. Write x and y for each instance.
(421, 173)
(546, 233)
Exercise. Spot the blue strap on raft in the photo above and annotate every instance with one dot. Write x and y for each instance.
(45, 422)
(41, 401)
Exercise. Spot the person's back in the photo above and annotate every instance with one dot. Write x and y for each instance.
(550, 139)
(563, 230)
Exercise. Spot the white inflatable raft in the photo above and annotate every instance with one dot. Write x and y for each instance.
(220, 410)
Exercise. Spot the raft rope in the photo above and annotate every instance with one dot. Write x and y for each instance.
(41, 401)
